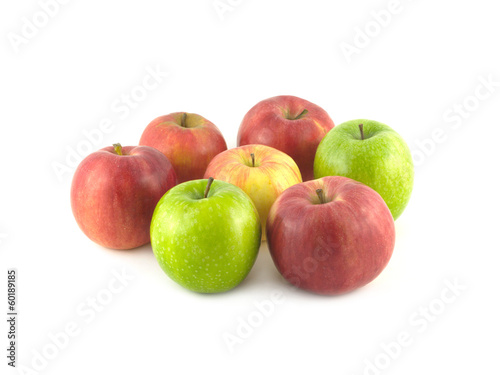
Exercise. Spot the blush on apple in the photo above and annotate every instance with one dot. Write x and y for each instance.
(115, 191)
(261, 171)
(331, 235)
(289, 124)
(188, 140)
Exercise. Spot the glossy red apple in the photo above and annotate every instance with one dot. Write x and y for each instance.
(115, 191)
(331, 235)
(188, 140)
(289, 124)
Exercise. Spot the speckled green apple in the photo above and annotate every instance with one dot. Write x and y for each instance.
(206, 235)
(372, 153)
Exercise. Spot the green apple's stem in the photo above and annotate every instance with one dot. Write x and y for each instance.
(252, 155)
(183, 119)
(361, 131)
(118, 148)
(302, 114)
(321, 196)
(209, 183)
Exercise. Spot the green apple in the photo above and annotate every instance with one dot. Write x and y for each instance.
(372, 153)
(206, 235)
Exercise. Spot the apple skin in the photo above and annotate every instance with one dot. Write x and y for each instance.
(272, 122)
(334, 247)
(382, 160)
(207, 245)
(190, 147)
(113, 196)
(274, 172)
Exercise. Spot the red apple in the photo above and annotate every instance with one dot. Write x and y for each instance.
(188, 140)
(289, 124)
(330, 235)
(115, 191)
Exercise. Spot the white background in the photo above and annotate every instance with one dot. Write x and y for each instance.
(426, 61)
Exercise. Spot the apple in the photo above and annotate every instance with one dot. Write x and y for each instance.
(289, 124)
(188, 140)
(114, 193)
(205, 235)
(261, 171)
(331, 235)
(372, 153)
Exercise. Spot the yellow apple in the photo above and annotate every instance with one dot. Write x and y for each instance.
(260, 171)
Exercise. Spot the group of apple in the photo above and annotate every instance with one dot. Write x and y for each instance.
(206, 209)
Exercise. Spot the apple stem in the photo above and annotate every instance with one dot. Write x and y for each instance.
(321, 195)
(252, 155)
(207, 189)
(183, 119)
(361, 131)
(118, 148)
(302, 114)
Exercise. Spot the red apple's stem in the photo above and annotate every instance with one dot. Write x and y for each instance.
(252, 155)
(183, 119)
(321, 196)
(209, 183)
(361, 131)
(118, 148)
(302, 114)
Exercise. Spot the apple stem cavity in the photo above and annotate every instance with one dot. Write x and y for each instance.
(183, 120)
(302, 114)
(209, 183)
(321, 196)
(252, 155)
(361, 131)
(118, 148)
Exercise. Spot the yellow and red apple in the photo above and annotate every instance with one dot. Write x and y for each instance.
(260, 171)
(188, 140)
